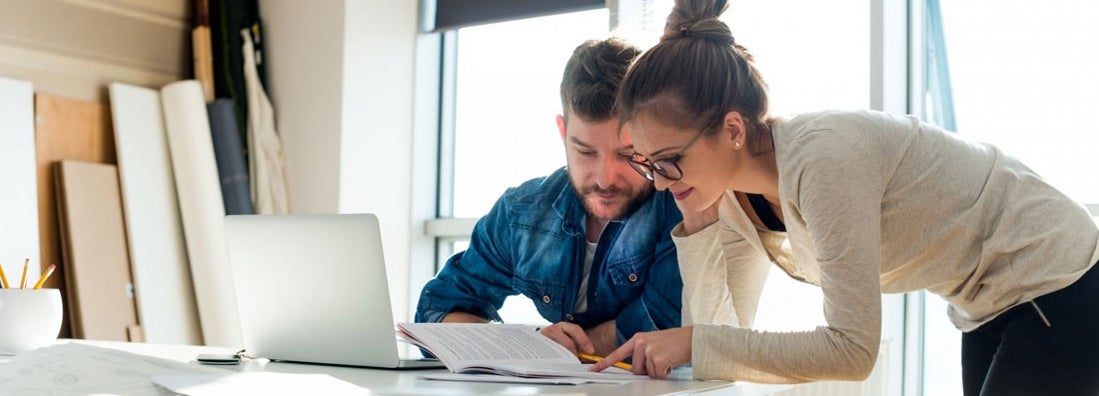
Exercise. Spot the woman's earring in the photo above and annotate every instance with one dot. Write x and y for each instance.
(736, 144)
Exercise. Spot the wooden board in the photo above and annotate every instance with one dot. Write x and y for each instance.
(100, 303)
(65, 129)
(158, 256)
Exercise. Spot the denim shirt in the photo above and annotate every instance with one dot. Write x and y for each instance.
(533, 243)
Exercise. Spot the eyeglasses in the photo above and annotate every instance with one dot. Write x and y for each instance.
(667, 168)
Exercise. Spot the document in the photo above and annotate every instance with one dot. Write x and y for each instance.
(513, 350)
(519, 380)
(77, 369)
(257, 383)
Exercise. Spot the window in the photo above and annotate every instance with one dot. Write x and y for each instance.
(1023, 78)
(506, 98)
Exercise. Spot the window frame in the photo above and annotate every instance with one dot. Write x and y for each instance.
(450, 15)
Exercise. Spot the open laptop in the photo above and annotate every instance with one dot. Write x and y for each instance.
(313, 289)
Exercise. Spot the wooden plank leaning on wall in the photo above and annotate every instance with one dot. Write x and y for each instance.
(65, 129)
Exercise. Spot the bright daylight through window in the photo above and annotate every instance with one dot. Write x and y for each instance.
(1009, 73)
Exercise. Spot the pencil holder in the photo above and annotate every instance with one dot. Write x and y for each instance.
(28, 319)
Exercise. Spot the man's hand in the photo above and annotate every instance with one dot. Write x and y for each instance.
(571, 336)
(654, 353)
(462, 317)
(604, 337)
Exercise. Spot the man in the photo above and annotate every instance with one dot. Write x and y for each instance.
(589, 244)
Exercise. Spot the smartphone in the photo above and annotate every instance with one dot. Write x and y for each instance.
(218, 358)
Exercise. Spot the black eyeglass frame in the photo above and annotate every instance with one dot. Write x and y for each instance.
(647, 168)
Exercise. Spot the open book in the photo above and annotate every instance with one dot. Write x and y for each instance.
(505, 349)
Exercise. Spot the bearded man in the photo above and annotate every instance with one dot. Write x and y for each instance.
(590, 244)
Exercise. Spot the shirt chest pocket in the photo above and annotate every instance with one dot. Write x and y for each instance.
(547, 297)
(627, 275)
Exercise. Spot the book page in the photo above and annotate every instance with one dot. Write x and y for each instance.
(529, 369)
(513, 350)
(519, 380)
(460, 344)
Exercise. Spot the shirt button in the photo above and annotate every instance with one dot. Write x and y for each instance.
(568, 317)
(545, 299)
(633, 277)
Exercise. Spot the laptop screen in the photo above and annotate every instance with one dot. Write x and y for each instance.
(312, 288)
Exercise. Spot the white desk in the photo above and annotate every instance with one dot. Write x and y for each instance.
(407, 382)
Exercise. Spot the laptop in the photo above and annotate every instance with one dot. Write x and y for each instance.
(313, 289)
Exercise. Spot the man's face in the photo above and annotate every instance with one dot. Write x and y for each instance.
(597, 162)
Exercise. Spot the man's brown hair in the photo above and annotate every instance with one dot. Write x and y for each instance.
(592, 76)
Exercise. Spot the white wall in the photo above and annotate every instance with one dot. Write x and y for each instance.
(377, 143)
(341, 79)
(74, 48)
(304, 49)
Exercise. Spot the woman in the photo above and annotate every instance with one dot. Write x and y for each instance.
(858, 203)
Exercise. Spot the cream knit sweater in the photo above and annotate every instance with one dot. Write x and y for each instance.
(875, 203)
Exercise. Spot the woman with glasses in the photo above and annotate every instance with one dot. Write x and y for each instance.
(859, 203)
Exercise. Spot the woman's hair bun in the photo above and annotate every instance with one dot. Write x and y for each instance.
(698, 19)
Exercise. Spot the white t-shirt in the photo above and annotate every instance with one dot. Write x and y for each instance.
(581, 305)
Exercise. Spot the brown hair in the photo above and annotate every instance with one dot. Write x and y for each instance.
(592, 77)
(695, 74)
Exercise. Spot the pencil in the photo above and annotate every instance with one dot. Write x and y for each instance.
(23, 282)
(596, 358)
(3, 279)
(46, 274)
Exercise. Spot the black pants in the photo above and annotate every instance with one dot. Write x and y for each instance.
(1019, 354)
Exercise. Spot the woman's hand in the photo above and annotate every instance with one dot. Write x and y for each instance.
(654, 353)
(695, 221)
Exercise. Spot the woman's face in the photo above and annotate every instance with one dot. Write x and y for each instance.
(704, 163)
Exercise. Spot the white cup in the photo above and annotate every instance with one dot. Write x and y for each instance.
(28, 319)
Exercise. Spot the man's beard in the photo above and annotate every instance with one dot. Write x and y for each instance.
(632, 203)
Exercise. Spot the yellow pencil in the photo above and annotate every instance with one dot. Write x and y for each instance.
(46, 274)
(596, 358)
(3, 279)
(23, 282)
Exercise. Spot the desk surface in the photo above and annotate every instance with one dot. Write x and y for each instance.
(408, 382)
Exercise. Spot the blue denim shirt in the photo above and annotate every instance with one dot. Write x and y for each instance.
(533, 243)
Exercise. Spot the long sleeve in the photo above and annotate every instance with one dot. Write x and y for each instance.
(475, 281)
(837, 209)
(723, 276)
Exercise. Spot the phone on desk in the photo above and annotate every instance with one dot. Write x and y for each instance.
(218, 358)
